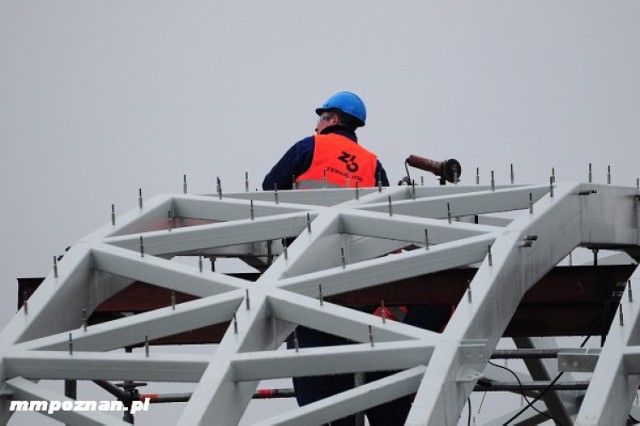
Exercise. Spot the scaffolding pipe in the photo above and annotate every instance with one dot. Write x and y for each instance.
(483, 386)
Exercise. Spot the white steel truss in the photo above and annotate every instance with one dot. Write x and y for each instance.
(314, 244)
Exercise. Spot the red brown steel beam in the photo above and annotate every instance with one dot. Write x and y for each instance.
(568, 301)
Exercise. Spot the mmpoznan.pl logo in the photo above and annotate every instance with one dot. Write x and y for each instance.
(54, 406)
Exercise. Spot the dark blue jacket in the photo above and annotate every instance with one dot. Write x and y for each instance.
(297, 160)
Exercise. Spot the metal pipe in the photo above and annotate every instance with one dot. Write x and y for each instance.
(155, 398)
(484, 386)
(526, 353)
(532, 386)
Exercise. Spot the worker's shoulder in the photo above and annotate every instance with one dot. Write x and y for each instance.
(305, 144)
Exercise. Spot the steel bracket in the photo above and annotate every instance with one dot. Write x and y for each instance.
(578, 360)
(473, 355)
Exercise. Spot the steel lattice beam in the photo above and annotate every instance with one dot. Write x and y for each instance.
(332, 242)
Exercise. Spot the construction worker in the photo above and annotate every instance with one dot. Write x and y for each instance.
(332, 157)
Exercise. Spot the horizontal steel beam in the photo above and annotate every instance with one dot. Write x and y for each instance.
(55, 365)
(331, 360)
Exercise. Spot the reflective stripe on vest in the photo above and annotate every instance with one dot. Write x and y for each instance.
(342, 160)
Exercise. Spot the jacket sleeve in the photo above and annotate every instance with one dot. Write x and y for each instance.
(294, 162)
(380, 171)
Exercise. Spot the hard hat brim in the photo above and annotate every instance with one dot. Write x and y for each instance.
(321, 111)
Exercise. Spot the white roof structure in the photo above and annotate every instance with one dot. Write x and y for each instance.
(335, 240)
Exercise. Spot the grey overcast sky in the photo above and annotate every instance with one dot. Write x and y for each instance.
(100, 98)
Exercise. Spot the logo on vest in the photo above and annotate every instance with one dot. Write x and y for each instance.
(350, 161)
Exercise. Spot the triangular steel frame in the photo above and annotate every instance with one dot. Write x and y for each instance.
(341, 240)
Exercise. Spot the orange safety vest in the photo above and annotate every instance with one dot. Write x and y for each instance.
(338, 162)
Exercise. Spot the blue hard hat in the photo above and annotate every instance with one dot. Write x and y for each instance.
(347, 102)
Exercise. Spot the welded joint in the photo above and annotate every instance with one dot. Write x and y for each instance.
(473, 356)
(580, 360)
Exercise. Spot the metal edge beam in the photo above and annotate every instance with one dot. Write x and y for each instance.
(391, 268)
(369, 224)
(464, 204)
(309, 198)
(163, 273)
(211, 207)
(197, 238)
(331, 360)
(155, 324)
(55, 365)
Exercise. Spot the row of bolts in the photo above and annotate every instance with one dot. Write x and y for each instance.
(527, 243)
(552, 180)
